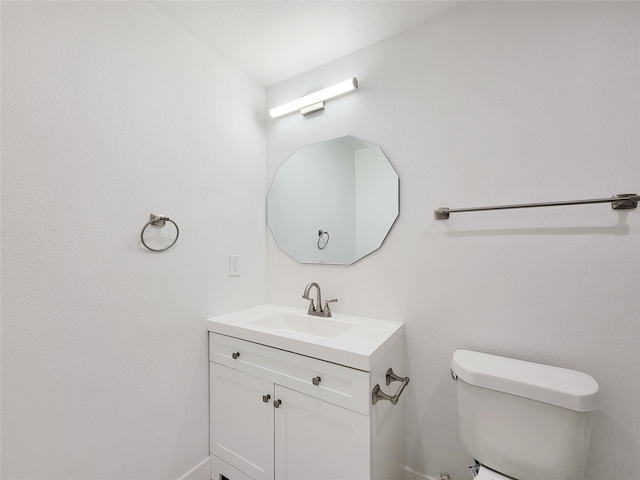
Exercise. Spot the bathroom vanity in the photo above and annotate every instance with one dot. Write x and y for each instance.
(301, 397)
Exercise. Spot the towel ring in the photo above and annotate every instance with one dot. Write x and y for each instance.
(323, 239)
(159, 221)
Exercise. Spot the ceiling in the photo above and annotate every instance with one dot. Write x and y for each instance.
(275, 40)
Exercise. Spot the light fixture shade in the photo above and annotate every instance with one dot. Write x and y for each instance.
(323, 95)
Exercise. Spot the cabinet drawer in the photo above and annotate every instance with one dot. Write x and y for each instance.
(340, 385)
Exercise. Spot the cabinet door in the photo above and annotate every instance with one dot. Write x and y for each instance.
(241, 422)
(316, 440)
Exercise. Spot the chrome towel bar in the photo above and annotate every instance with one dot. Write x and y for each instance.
(376, 394)
(624, 201)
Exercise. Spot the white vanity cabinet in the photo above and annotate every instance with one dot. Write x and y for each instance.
(276, 414)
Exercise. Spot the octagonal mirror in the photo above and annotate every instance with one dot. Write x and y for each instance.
(333, 202)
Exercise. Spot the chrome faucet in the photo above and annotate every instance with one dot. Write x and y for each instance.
(313, 310)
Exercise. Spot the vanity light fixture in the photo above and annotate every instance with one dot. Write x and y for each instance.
(315, 101)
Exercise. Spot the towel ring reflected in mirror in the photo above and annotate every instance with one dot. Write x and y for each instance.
(323, 239)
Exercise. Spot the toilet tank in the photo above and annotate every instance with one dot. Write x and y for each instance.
(525, 420)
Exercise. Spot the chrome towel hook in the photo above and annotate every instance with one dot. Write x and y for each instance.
(159, 221)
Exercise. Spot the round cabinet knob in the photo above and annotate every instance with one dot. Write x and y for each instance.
(316, 380)
(235, 355)
(265, 398)
(277, 403)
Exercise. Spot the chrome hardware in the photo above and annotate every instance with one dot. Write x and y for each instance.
(327, 310)
(265, 398)
(316, 381)
(376, 394)
(475, 469)
(392, 377)
(313, 310)
(235, 355)
(159, 221)
(316, 107)
(624, 201)
(454, 375)
(277, 403)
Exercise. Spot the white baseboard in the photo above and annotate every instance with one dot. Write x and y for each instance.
(411, 474)
(202, 471)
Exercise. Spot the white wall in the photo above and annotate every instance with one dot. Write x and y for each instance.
(110, 112)
(498, 103)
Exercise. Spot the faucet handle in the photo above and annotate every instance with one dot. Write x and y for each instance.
(327, 310)
(312, 307)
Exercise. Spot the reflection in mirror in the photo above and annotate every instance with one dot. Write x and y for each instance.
(333, 202)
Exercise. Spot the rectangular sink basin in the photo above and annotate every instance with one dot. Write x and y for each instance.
(306, 324)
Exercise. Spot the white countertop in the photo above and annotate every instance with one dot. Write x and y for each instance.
(361, 347)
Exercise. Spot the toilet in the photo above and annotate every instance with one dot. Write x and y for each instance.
(523, 420)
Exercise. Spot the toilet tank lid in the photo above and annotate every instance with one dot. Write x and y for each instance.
(558, 386)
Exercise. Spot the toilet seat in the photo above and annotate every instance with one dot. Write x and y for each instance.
(487, 474)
